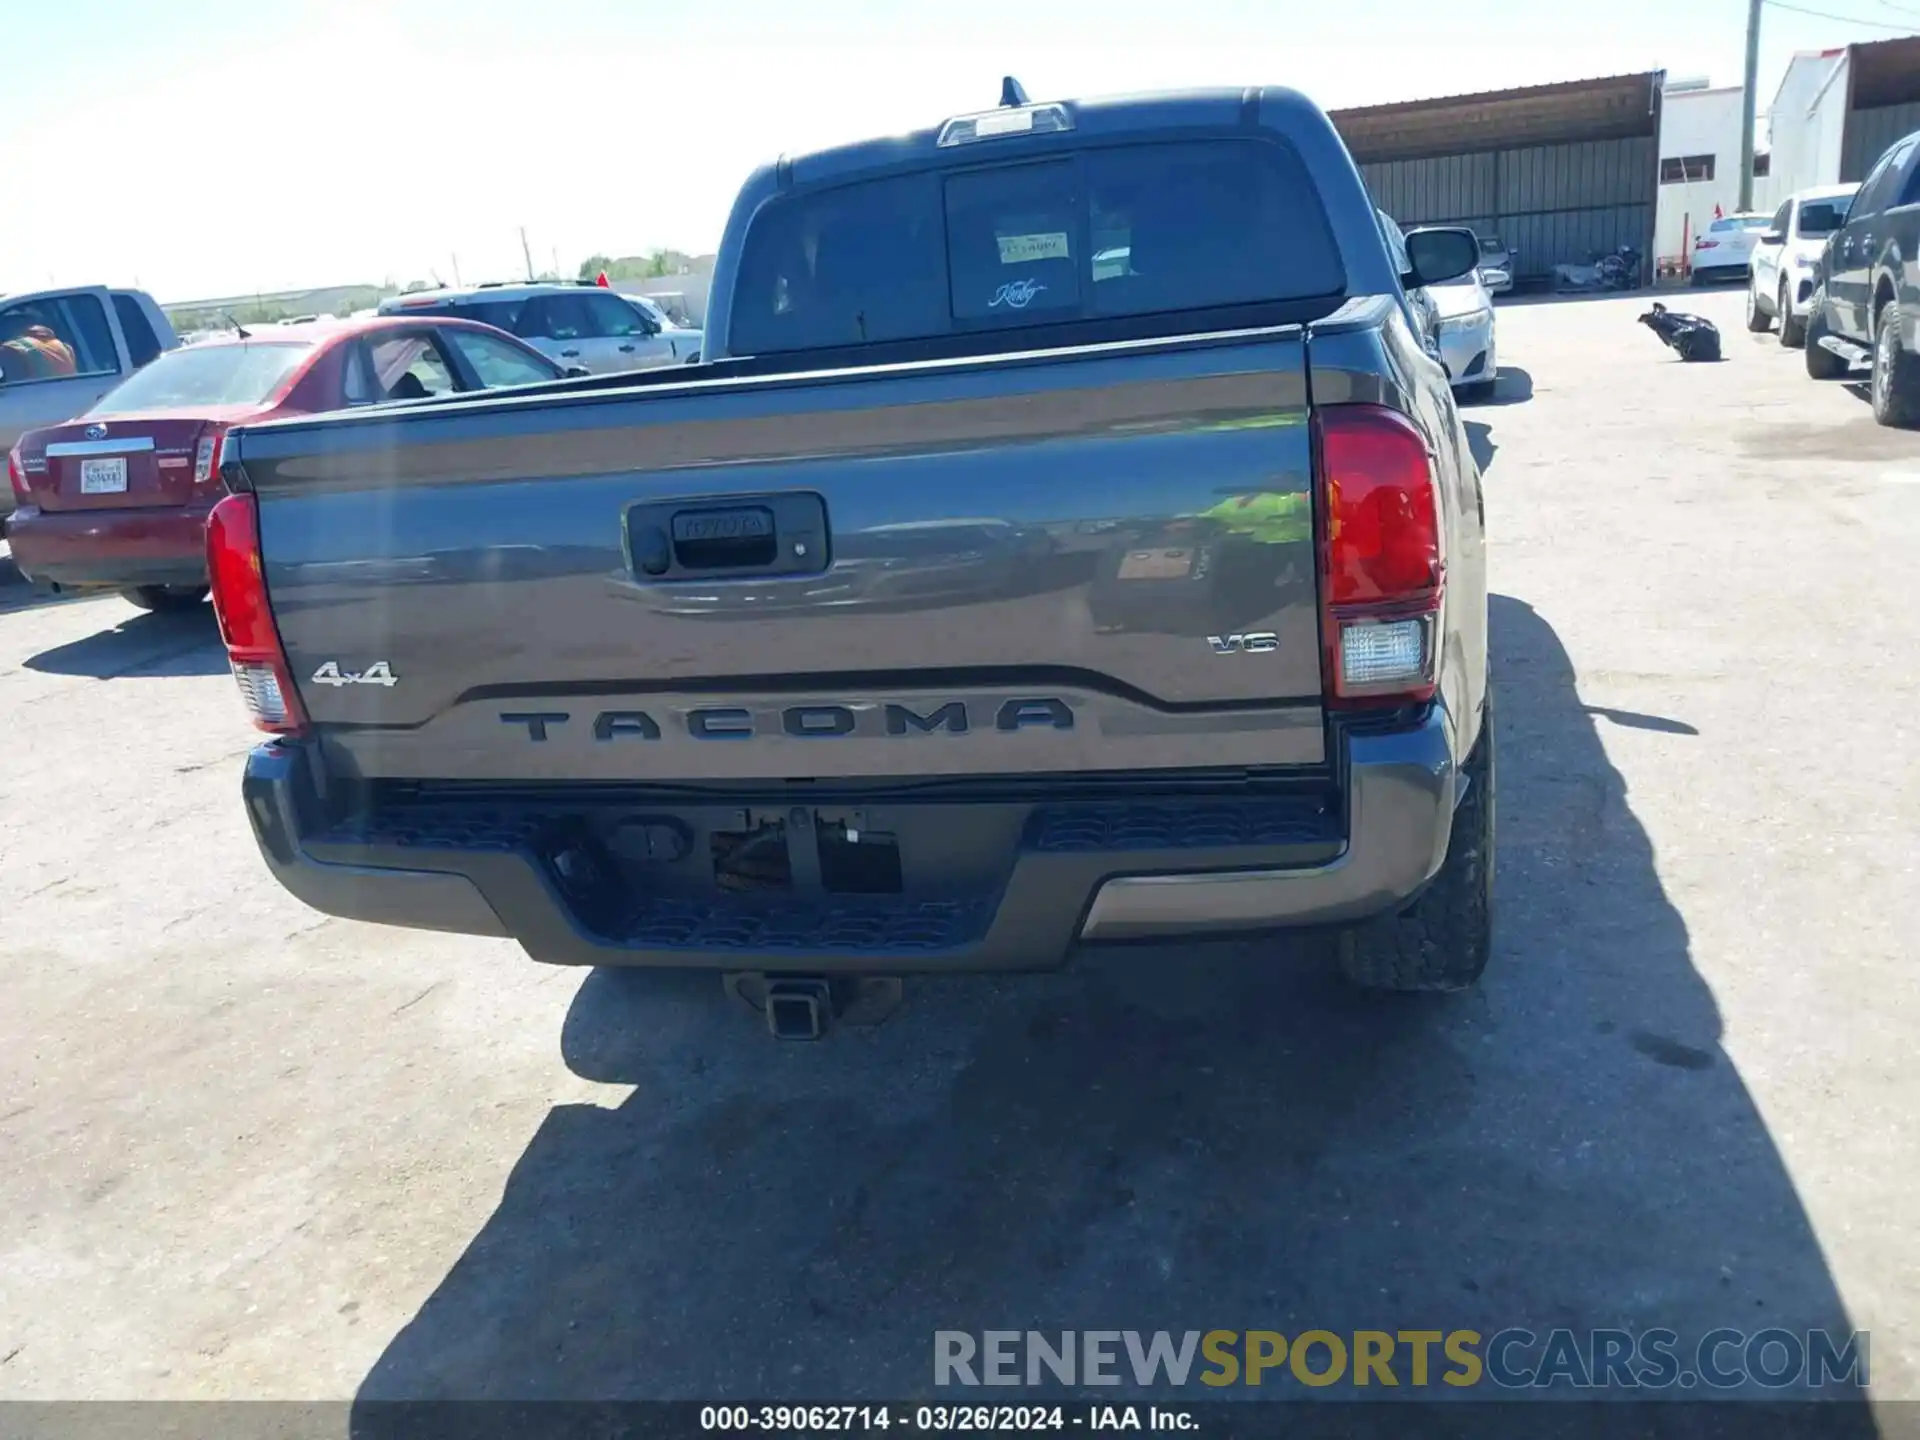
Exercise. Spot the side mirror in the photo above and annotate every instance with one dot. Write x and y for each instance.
(1440, 253)
(574, 372)
(1773, 237)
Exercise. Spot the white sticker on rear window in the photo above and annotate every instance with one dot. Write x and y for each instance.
(1022, 249)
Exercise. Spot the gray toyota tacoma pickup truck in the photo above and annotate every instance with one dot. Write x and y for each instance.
(1067, 541)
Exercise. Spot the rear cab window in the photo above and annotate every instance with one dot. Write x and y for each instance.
(1138, 229)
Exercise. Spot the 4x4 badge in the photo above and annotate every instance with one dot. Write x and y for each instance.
(378, 673)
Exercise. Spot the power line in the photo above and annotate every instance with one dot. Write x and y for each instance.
(1844, 19)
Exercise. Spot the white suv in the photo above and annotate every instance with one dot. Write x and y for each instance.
(578, 325)
(1786, 256)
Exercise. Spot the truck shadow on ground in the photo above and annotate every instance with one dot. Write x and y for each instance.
(1181, 1137)
(144, 644)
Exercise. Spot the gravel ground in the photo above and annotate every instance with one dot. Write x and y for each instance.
(250, 1151)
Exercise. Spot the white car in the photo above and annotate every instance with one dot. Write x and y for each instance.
(1497, 260)
(1724, 249)
(1464, 319)
(578, 325)
(1788, 254)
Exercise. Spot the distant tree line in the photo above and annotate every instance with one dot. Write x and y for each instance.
(636, 267)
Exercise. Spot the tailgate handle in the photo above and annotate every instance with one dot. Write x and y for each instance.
(727, 537)
(736, 538)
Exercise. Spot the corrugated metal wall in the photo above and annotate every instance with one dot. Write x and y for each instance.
(1870, 132)
(1555, 204)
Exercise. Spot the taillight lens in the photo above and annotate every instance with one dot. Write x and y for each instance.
(246, 623)
(17, 477)
(206, 456)
(1383, 563)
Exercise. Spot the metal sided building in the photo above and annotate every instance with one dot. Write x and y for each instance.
(1837, 110)
(1562, 173)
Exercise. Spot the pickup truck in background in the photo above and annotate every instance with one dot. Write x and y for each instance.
(973, 601)
(61, 350)
(1865, 311)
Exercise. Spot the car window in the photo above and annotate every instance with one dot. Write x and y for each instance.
(409, 366)
(1877, 193)
(1821, 217)
(142, 343)
(357, 385)
(558, 317)
(54, 339)
(1126, 230)
(498, 363)
(614, 317)
(1492, 245)
(233, 374)
(1782, 218)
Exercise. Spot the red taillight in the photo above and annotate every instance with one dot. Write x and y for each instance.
(1705, 244)
(17, 478)
(246, 623)
(1382, 561)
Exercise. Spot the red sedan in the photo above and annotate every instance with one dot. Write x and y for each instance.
(118, 498)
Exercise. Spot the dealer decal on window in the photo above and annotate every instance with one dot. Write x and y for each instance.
(1023, 249)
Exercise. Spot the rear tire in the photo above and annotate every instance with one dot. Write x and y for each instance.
(1896, 373)
(1822, 364)
(165, 599)
(1758, 321)
(1443, 939)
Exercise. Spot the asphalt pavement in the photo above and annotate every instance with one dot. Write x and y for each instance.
(250, 1151)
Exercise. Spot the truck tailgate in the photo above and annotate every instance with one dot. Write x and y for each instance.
(1090, 560)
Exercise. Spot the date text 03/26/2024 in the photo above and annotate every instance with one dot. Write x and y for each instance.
(940, 1419)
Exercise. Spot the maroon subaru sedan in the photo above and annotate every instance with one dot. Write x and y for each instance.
(118, 498)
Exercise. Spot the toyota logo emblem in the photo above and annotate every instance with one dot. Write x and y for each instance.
(96, 432)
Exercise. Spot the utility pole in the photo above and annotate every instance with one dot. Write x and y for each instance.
(527, 253)
(1747, 103)
(456, 268)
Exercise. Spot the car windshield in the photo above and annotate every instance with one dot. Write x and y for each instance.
(1741, 222)
(236, 374)
(1129, 230)
(1823, 217)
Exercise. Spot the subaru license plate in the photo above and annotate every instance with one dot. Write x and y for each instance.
(103, 477)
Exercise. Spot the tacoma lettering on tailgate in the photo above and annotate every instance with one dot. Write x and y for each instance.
(818, 721)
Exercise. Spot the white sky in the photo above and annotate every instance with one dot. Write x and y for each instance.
(213, 147)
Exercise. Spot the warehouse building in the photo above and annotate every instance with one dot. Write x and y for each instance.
(1563, 173)
(1837, 110)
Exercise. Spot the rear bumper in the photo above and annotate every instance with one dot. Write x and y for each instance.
(111, 548)
(1074, 871)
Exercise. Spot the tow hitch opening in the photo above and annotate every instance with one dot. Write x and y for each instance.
(806, 1007)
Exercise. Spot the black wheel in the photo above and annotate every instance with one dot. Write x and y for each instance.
(1793, 329)
(165, 599)
(1896, 373)
(1822, 363)
(694, 358)
(1442, 940)
(1758, 321)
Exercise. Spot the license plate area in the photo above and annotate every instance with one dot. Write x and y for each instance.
(104, 476)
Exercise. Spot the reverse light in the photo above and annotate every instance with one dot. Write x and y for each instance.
(1382, 563)
(206, 456)
(239, 586)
